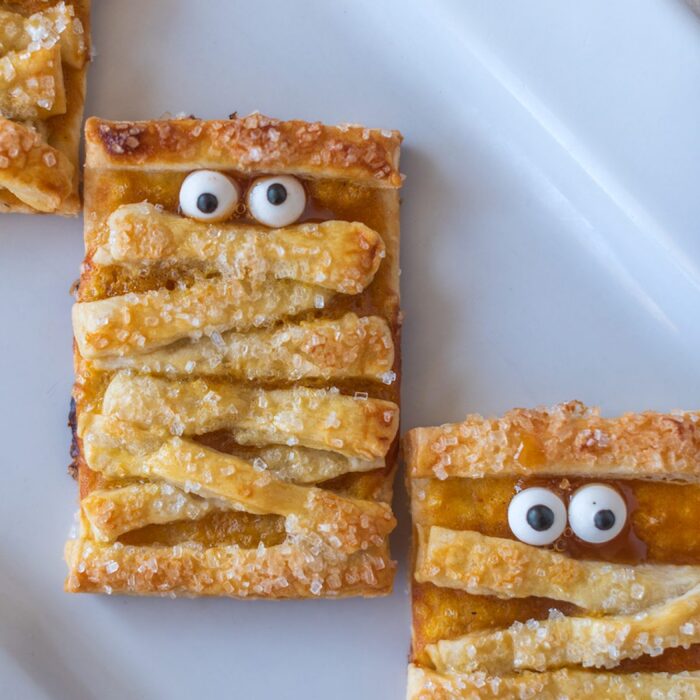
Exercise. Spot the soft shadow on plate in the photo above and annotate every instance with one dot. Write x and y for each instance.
(30, 636)
(433, 317)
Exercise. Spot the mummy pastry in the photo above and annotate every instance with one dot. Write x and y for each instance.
(557, 555)
(44, 50)
(236, 359)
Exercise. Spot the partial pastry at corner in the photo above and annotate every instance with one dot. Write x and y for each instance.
(556, 554)
(237, 359)
(44, 52)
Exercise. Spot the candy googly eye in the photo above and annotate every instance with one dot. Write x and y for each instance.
(276, 201)
(597, 513)
(537, 516)
(208, 195)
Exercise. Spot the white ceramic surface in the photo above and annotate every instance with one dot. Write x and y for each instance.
(550, 251)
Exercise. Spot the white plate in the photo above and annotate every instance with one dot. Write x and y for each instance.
(550, 251)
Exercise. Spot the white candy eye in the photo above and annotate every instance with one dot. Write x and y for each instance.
(537, 516)
(208, 195)
(597, 513)
(277, 201)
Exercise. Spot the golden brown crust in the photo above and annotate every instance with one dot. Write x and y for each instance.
(31, 170)
(569, 641)
(265, 275)
(224, 374)
(317, 418)
(537, 609)
(351, 346)
(251, 144)
(41, 68)
(226, 481)
(567, 440)
(112, 512)
(424, 684)
(192, 479)
(140, 322)
(327, 533)
(280, 571)
(116, 449)
(142, 235)
(43, 58)
(484, 565)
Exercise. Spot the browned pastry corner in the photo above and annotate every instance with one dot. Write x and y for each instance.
(250, 145)
(556, 554)
(237, 359)
(44, 53)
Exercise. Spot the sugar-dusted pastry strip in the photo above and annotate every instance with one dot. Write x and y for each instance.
(568, 440)
(281, 571)
(140, 322)
(53, 24)
(31, 84)
(348, 524)
(566, 641)
(212, 474)
(349, 346)
(426, 684)
(62, 21)
(117, 449)
(36, 173)
(43, 59)
(317, 418)
(482, 565)
(251, 144)
(341, 256)
(112, 512)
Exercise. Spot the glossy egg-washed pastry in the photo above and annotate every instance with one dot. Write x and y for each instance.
(237, 359)
(556, 555)
(44, 51)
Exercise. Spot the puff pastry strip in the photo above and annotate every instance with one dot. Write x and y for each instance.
(566, 641)
(338, 255)
(567, 440)
(251, 144)
(424, 684)
(346, 524)
(33, 171)
(46, 28)
(112, 512)
(321, 348)
(316, 418)
(42, 79)
(31, 84)
(281, 571)
(137, 323)
(482, 565)
(117, 448)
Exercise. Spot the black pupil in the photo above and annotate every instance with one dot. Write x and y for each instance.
(207, 203)
(604, 519)
(540, 518)
(276, 193)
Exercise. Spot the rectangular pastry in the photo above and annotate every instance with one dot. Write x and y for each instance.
(44, 51)
(556, 555)
(237, 359)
